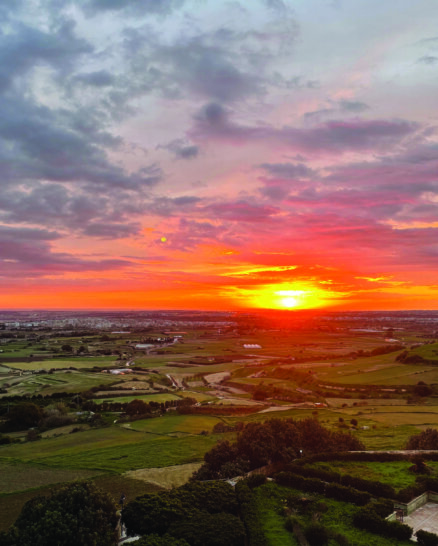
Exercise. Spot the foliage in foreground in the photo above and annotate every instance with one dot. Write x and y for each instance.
(427, 439)
(199, 513)
(424, 538)
(77, 514)
(275, 441)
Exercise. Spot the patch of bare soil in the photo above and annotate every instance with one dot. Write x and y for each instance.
(167, 477)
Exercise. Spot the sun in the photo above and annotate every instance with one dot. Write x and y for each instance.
(289, 299)
(292, 296)
(289, 302)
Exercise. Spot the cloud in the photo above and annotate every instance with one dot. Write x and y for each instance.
(284, 178)
(240, 211)
(181, 149)
(57, 145)
(28, 251)
(428, 59)
(100, 78)
(332, 137)
(134, 7)
(112, 231)
(289, 171)
(28, 47)
(336, 109)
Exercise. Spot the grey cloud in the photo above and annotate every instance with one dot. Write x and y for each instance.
(285, 177)
(28, 251)
(339, 107)
(289, 171)
(135, 7)
(39, 143)
(213, 113)
(100, 78)
(22, 50)
(112, 231)
(275, 191)
(181, 149)
(428, 59)
(169, 206)
(209, 71)
(9, 233)
(334, 137)
(227, 64)
(353, 106)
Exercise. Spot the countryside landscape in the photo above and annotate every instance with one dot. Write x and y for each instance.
(218, 273)
(133, 401)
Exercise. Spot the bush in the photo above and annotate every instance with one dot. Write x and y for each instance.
(427, 439)
(376, 489)
(347, 494)
(316, 534)
(250, 515)
(366, 518)
(424, 538)
(255, 480)
(383, 507)
(77, 514)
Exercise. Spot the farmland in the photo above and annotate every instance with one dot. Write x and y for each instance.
(381, 391)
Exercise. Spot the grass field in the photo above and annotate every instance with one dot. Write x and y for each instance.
(16, 476)
(395, 473)
(153, 451)
(119, 449)
(69, 381)
(381, 370)
(337, 518)
(56, 363)
(172, 424)
(163, 397)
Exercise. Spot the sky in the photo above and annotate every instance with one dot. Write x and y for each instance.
(219, 155)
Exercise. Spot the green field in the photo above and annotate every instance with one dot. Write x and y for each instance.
(381, 370)
(57, 363)
(69, 381)
(336, 517)
(16, 476)
(119, 449)
(173, 424)
(163, 397)
(394, 473)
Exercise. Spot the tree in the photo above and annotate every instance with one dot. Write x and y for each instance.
(67, 348)
(276, 440)
(427, 439)
(77, 514)
(25, 415)
(137, 407)
(152, 513)
(421, 389)
(210, 529)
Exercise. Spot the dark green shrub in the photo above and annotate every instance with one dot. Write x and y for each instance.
(347, 494)
(376, 489)
(366, 518)
(383, 507)
(316, 534)
(424, 538)
(309, 472)
(255, 480)
(250, 515)
(291, 522)
(410, 492)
